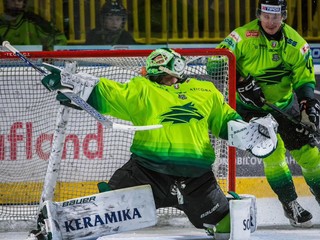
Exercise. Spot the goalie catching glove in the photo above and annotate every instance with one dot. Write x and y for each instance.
(258, 136)
(66, 80)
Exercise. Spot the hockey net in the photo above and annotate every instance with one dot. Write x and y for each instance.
(91, 152)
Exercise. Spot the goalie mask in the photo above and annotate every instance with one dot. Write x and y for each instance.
(165, 61)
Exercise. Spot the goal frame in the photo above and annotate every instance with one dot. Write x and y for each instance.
(74, 54)
(142, 53)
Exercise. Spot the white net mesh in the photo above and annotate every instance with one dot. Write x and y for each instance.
(91, 152)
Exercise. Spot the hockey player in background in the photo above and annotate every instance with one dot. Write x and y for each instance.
(113, 17)
(273, 63)
(22, 27)
(175, 160)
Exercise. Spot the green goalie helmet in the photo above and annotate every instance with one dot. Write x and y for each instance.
(165, 61)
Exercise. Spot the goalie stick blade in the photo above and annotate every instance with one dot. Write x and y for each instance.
(106, 122)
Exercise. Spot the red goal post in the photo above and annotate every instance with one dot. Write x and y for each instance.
(91, 153)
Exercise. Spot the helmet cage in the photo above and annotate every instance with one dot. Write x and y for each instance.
(165, 61)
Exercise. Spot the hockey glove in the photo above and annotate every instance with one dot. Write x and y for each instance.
(250, 92)
(310, 112)
(258, 136)
(67, 80)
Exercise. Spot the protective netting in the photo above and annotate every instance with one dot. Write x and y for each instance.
(91, 152)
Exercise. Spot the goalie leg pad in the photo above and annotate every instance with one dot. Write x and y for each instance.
(253, 211)
(240, 219)
(101, 214)
(243, 217)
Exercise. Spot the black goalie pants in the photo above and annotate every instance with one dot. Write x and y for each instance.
(200, 198)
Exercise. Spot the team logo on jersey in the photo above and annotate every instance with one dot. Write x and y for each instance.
(252, 33)
(275, 57)
(235, 36)
(274, 44)
(305, 49)
(274, 75)
(182, 96)
(182, 114)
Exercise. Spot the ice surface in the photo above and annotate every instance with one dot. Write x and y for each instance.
(272, 225)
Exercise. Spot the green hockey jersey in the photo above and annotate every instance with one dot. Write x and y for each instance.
(30, 29)
(279, 67)
(187, 112)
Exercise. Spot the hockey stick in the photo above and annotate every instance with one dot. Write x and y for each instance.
(55, 156)
(12, 49)
(80, 102)
(293, 120)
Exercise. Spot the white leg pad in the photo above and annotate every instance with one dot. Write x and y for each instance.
(242, 217)
(101, 214)
(253, 211)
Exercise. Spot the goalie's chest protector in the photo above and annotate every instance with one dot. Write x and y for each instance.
(186, 112)
(183, 110)
(192, 92)
(186, 107)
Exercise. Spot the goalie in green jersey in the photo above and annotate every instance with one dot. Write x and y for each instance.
(274, 64)
(176, 160)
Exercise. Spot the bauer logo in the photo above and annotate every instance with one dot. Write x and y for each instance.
(79, 201)
(97, 220)
(215, 207)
